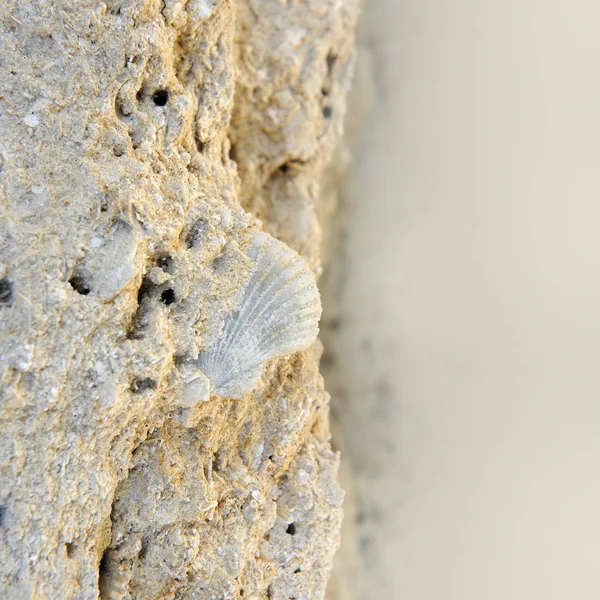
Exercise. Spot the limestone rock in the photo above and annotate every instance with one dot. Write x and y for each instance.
(140, 141)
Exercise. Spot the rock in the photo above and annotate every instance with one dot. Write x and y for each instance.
(196, 387)
(131, 178)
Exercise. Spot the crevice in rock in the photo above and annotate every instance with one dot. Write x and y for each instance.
(6, 292)
(135, 331)
(143, 384)
(196, 232)
(70, 549)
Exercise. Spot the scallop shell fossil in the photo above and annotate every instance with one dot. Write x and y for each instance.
(278, 315)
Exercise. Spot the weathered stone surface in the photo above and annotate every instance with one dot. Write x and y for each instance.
(124, 186)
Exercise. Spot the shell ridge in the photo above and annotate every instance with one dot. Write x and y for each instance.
(304, 331)
(251, 363)
(280, 309)
(235, 323)
(304, 311)
(273, 297)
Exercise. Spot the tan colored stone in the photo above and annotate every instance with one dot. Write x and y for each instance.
(121, 253)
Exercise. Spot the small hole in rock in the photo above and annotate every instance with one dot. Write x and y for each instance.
(290, 166)
(241, 592)
(330, 60)
(2, 515)
(6, 292)
(327, 112)
(291, 529)
(139, 385)
(200, 145)
(298, 570)
(160, 97)
(168, 297)
(79, 285)
(70, 548)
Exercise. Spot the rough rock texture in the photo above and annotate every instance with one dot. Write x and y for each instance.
(134, 137)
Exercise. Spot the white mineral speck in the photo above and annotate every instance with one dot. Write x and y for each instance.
(37, 189)
(25, 358)
(202, 8)
(31, 120)
(158, 276)
(95, 242)
(226, 219)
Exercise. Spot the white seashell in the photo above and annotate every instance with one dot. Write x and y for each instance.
(278, 315)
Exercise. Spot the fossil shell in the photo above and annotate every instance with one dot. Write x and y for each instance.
(278, 315)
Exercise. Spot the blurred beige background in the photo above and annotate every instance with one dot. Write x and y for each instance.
(463, 304)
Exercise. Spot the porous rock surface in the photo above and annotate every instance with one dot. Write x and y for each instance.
(139, 143)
